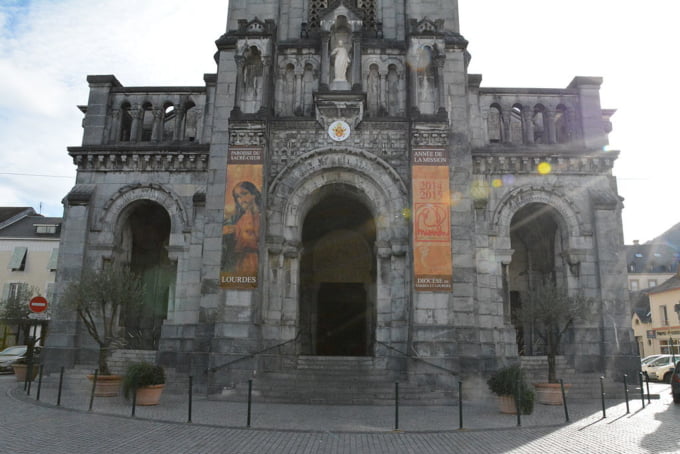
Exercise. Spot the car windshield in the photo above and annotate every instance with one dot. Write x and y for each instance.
(13, 351)
(660, 361)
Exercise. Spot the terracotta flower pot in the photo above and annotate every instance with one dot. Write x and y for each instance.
(550, 393)
(149, 395)
(21, 370)
(506, 404)
(107, 385)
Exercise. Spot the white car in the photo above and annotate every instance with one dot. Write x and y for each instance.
(660, 368)
(648, 359)
(9, 355)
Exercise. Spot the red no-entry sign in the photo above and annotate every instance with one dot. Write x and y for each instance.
(37, 304)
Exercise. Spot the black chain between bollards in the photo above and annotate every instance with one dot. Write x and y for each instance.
(191, 383)
(94, 384)
(604, 410)
(625, 390)
(61, 384)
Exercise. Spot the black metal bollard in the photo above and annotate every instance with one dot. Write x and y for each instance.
(518, 404)
(61, 383)
(94, 384)
(40, 375)
(460, 405)
(604, 410)
(29, 376)
(564, 401)
(396, 405)
(134, 400)
(649, 396)
(642, 390)
(625, 390)
(250, 399)
(191, 382)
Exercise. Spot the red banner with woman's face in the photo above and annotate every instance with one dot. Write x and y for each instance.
(243, 209)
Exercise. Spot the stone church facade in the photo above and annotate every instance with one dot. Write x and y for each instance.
(341, 188)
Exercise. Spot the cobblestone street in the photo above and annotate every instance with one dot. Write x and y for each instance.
(28, 426)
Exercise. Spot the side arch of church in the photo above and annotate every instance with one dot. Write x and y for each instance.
(298, 188)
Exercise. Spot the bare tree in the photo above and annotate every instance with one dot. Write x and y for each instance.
(550, 310)
(98, 298)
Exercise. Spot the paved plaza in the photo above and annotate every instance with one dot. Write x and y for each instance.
(28, 425)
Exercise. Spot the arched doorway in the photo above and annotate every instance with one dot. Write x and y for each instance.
(144, 240)
(538, 236)
(337, 277)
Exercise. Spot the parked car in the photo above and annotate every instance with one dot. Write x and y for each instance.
(649, 359)
(675, 383)
(12, 354)
(660, 369)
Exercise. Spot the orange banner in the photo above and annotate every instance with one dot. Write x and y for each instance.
(243, 208)
(431, 220)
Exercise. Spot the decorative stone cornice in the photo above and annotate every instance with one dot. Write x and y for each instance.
(494, 163)
(141, 159)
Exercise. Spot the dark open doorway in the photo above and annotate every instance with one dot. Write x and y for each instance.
(337, 277)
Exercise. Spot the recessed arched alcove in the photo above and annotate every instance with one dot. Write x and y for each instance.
(337, 277)
(143, 242)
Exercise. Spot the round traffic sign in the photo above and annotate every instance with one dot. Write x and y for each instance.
(37, 304)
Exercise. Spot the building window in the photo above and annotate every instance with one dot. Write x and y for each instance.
(52, 264)
(634, 284)
(18, 260)
(46, 229)
(664, 315)
(651, 283)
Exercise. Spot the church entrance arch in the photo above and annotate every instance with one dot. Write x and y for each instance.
(337, 277)
(143, 241)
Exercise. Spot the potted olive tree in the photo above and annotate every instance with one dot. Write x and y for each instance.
(98, 298)
(508, 383)
(146, 380)
(550, 311)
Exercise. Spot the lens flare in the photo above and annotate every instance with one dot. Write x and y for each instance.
(496, 183)
(479, 190)
(544, 168)
(508, 180)
(406, 213)
(456, 197)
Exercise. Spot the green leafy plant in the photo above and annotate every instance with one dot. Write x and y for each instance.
(14, 311)
(510, 381)
(98, 298)
(142, 374)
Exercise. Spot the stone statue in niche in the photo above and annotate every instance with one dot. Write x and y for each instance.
(426, 81)
(252, 80)
(340, 63)
(373, 91)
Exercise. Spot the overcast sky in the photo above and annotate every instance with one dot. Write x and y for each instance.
(48, 47)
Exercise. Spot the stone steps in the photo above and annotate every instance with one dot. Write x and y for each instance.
(336, 380)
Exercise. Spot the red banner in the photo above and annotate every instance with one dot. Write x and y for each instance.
(431, 220)
(243, 209)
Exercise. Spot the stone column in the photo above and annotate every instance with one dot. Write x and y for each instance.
(527, 126)
(178, 133)
(325, 61)
(550, 126)
(299, 101)
(114, 133)
(136, 113)
(505, 126)
(356, 62)
(240, 61)
(441, 87)
(382, 101)
(157, 128)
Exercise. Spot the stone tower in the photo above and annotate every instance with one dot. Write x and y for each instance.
(342, 187)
